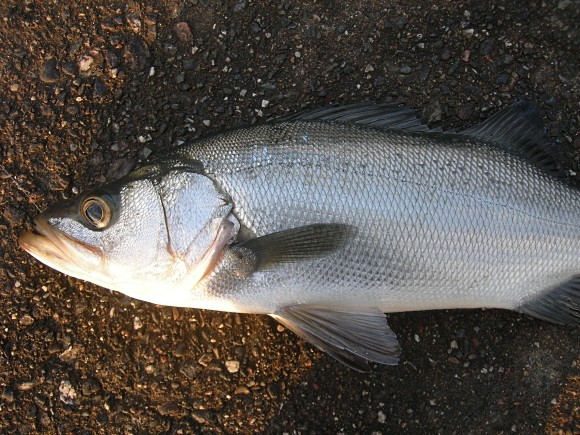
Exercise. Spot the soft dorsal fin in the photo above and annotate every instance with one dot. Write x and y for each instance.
(382, 115)
(519, 130)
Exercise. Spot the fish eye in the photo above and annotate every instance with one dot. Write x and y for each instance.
(96, 212)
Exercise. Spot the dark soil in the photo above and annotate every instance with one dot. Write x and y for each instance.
(89, 89)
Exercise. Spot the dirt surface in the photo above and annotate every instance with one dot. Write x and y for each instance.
(89, 90)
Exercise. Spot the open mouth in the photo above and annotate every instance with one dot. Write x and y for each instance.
(58, 250)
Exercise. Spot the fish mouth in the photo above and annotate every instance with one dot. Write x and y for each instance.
(59, 250)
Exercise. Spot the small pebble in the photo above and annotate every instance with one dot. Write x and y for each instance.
(13, 216)
(381, 417)
(145, 152)
(241, 389)
(445, 54)
(487, 46)
(424, 73)
(405, 69)
(25, 385)
(400, 22)
(120, 168)
(49, 73)
(205, 359)
(200, 416)
(502, 79)
(233, 366)
(69, 68)
(26, 320)
(465, 111)
(136, 54)
(67, 392)
(8, 395)
(100, 88)
(85, 63)
(108, 25)
(453, 68)
(183, 32)
(273, 390)
(69, 354)
(432, 112)
(563, 4)
(134, 22)
(137, 323)
(240, 5)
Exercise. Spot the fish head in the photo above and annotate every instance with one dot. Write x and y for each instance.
(151, 235)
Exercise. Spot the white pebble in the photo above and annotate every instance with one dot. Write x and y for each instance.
(233, 366)
(67, 392)
(85, 62)
(381, 417)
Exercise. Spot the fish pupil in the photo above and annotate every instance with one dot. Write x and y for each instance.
(94, 212)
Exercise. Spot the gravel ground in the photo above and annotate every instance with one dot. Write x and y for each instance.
(89, 89)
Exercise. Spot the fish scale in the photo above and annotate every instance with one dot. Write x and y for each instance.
(451, 223)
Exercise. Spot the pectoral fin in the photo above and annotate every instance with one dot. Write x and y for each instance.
(354, 336)
(293, 245)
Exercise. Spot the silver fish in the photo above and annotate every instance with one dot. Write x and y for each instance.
(329, 219)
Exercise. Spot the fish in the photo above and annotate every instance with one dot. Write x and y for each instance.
(328, 219)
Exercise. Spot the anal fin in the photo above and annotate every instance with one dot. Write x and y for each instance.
(353, 336)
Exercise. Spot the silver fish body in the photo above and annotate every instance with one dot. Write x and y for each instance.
(442, 221)
(328, 220)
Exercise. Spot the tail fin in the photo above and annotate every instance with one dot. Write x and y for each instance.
(559, 305)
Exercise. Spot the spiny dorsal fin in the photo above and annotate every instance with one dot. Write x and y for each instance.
(383, 115)
(519, 130)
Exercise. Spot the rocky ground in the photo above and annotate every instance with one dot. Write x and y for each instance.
(90, 89)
